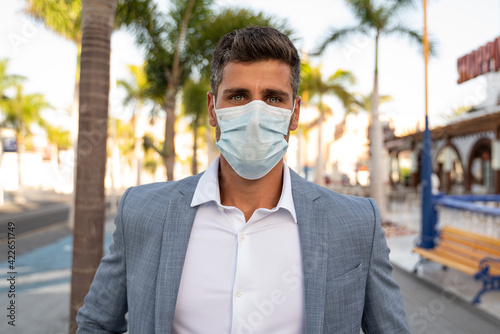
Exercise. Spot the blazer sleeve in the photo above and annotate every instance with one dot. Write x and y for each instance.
(383, 310)
(105, 305)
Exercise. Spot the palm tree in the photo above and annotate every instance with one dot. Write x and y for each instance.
(151, 157)
(137, 94)
(97, 26)
(21, 112)
(457, 112)
(363, 102)
(125, 139)
(7, 80)
(59, 137)
(178, 44)
(63, 17)
(375, 19)
(194, 102)
(313, 86)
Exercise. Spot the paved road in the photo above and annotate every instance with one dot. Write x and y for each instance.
(431, 310)
(40, 211)
(32, 220)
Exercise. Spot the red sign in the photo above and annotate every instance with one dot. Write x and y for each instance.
(483, 60)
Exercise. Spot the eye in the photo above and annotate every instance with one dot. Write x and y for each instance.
(274, 99)
(237, 98)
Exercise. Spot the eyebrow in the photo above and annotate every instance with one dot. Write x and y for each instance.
(278, 92)
(268, 91)
(234, 90)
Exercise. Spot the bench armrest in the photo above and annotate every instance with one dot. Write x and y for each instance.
(484, 266)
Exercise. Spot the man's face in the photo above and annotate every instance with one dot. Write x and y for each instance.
(268, 81)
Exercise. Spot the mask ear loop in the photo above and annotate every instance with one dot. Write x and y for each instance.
(293, 112)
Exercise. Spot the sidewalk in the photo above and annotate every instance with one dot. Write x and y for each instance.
(43, 277)
(42, 284)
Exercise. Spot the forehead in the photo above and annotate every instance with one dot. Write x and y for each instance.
(258, 75)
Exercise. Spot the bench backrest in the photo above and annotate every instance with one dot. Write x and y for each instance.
(484, 243)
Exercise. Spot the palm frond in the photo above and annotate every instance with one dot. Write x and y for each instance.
(400, 6)
(336, 35)
(363, 102)
(23, 110)
(343, 76)
(8, 80)
(414, 36)
(384, 99)
(223, 21)
(194, 102)
(64, 17)
(363, 10)
(312, 84)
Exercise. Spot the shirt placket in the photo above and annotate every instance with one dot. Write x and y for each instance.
(242, 290)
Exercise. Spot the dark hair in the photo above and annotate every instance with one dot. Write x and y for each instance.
(255, 44)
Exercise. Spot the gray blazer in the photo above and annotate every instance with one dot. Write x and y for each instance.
(347, 273)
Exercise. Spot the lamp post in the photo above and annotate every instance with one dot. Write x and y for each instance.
(428, 216)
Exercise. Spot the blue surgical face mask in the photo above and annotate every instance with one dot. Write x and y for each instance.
(252, 138)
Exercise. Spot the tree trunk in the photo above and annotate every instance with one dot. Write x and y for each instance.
(194, 167)
(377, 174)
(74, 133)
(97, 25)
(20, 150)
(210, 138)
(137, 145)
(173, 79)
(298, 166)
(138, 161)
(169, 143)
(320, 168)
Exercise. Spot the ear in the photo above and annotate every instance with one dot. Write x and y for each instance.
(294, 124)
(212, 119)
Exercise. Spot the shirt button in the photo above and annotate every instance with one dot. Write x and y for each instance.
(242, 236)
(220, 208)
(239, 293)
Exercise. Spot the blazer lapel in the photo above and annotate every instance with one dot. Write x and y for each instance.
(177, 229)
(313, 240)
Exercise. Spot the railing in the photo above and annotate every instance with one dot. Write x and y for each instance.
(350, 190)
(475, 213)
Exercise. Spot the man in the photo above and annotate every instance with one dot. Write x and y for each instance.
(248, 246)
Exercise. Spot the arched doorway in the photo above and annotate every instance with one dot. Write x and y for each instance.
(449, 168)
(480, 176)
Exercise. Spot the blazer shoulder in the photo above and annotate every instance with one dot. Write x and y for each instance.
(160, 192)
(332, 200)
(355, 204)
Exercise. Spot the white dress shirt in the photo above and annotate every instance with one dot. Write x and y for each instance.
(241, 277)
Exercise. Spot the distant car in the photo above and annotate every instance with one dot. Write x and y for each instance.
(9, 144)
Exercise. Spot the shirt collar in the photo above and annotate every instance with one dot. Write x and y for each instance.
(207, 189)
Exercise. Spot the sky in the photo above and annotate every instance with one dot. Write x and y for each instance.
(459, 27)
